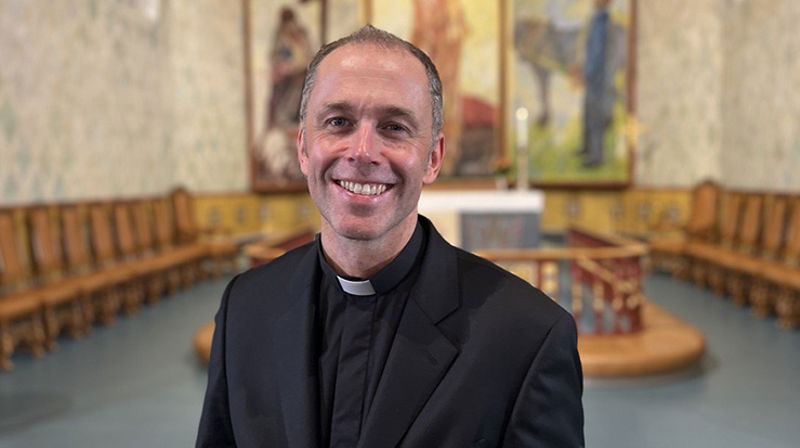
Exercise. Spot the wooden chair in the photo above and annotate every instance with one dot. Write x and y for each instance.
(20, 308)
(220, 249)
(105, 256)
(722, 260)
(63, 299)
(743, 268)
(783, 275)
(670, 252)
(188, 256)
(147, 270)
(145, 248)
(702, 252)
(102, 287)
(136, 243)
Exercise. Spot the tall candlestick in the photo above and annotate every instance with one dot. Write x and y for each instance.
(522, 127)
(522, 149)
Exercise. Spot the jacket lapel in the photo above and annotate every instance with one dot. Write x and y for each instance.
(293, 353)
(421, 354)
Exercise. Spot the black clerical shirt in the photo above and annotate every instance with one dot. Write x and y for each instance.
(355, 333)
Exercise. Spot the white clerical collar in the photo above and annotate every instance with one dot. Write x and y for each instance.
(356, 287)
(388, 277)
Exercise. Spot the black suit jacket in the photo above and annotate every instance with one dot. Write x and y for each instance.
(480, 359)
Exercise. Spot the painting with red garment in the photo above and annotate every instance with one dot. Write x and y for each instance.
(463, 40)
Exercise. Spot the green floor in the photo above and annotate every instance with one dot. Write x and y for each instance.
(138, 383)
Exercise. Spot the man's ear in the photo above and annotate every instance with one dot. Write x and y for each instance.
(302, 155)
(435, 160)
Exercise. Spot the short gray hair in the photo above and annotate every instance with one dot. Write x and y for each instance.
(371, 35)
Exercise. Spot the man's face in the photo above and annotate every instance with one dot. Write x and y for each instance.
(366, 143)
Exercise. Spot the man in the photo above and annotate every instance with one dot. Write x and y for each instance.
(380, 334)
(604, 56)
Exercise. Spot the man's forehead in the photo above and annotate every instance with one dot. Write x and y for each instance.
(368, 74)
(372, 58)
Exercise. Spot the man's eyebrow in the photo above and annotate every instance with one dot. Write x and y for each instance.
(340, 107)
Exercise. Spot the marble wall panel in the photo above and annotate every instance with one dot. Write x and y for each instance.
(119, 98)
(116, 98)
(679, 89)
(761, 100)
(207, 76)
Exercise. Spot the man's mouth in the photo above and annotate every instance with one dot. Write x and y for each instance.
(363, 189)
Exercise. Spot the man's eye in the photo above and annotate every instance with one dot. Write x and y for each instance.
(394, 127)
(338, 122)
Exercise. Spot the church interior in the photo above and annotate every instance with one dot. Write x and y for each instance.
(634, 160)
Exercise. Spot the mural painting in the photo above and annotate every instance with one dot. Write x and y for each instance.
(572, 77)
(462, 39)
(283, 37)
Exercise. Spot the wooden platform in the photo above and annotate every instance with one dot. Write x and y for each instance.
(202, 341)
(665, 344)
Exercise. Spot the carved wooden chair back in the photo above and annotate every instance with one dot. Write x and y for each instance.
(184, 216)
(45, 244)
(102, 236)
(76, 242)
(123, 224)
(791, 250)
(143, 226)
(772, 236)
(730, 219)
(704, 209)
(751, 222)
(14, 272)
(165, 231)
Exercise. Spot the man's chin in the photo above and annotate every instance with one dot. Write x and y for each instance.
(358, 232)
(365, 228)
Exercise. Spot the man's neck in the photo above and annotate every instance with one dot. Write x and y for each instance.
(363, 258)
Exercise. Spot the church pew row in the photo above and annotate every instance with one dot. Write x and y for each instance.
(65, 266)
(745, 245)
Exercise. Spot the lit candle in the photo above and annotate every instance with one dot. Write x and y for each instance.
(522, 128)
(522, 149)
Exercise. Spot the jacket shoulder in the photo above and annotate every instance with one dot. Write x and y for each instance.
(277, 271)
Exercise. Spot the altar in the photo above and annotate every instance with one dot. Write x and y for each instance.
(485, 219)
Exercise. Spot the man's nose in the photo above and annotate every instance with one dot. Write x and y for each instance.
(365, 147)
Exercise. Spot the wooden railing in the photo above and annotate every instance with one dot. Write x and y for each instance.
(600, 270)
(596, 271)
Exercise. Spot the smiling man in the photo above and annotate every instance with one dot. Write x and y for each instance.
(379, 333)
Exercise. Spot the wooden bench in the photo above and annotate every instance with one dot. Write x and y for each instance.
(189, 268)
(752, 252)
(219, 248)
(65, 266)
(700, 252)
(742, 269)
(670, 252)
(779, 284)
(740, 241)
